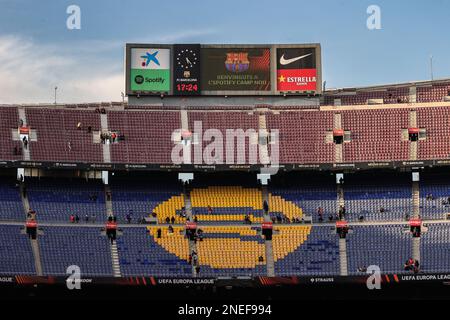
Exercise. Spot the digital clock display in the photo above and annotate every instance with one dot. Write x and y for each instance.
(186, 64)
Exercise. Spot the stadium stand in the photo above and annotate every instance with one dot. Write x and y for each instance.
(228, 204)
(11, 207)
(433, 93)
(302, 136)
(142, 253)
(386, 246)
(312, 251)
(141, 197)
(9, 121)
(361, 97)
(369, 196)
(16, 256)
(85, 247)
(224, 121)
(371, 142)
(437, 142)
(146, 141)
(231, 251)
(308, 193)
(56, 128)
(57, 199)
(438, 187)
(435, 248)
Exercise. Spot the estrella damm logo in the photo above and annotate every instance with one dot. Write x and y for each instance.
(230, 246)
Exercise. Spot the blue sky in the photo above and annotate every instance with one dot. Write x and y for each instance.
(37, 51)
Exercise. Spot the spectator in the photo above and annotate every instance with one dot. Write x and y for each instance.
(25, 142)
(72, 218)
(86, 218)
(167, 220)
(261, 259)
(79, 126)
(209, 209)
(158, 233)
(362, 269)
(320, 213)
(172, 220)
(128, 217)
(195, 219)
(93, 218)
(266, 206)
(170, 229)
(77, 219)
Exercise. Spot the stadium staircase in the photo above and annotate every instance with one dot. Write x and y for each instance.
(270, 264)
(263, 147)
(413, 144)
(416, 199)
(338, 154)
(188, 209)
(343, 264)
(114, 252)
(106, 146)
(342, 242)
(34, 242)
(26, 151)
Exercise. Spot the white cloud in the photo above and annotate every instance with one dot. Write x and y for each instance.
(83, 72)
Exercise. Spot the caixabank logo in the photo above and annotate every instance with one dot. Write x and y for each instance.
(296, 69)
(150, 69)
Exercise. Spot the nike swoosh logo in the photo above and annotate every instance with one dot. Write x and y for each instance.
(284, 61)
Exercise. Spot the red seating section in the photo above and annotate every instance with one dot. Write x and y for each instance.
(437, 124)
(56, 128)
(376, 135)
(9, 119)
(302, 136)
(223, 121)
(389, 96)
(147, 136)
(434, 93)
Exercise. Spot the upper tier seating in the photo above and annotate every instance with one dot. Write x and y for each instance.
(301, 250)
(437, 143)
(16, 256)
(57, 199)
(375, 135)
(9, 120)
(148, 136)
(224, 121)
(386, 246)
(141, 253)
(302, 136)
(389, 96)
(56, 128)
(433, 93)
(85, 247)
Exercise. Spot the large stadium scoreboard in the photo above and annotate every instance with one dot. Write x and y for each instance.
(225, 70)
